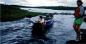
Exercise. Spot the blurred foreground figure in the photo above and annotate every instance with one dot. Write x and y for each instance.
(41, 27)
(79, 13)
(37, 29)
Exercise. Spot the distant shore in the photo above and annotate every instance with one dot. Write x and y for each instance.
(14, 12)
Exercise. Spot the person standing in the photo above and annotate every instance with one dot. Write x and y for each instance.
(79, 12)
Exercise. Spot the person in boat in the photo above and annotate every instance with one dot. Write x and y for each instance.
(41, 20)
(79, 11)
(38, 28)
(49, 16)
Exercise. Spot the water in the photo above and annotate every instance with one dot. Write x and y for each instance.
(41, 10)
(19, 32)
(61, 32)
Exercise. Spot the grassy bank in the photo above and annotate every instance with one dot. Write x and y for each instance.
(11, 13)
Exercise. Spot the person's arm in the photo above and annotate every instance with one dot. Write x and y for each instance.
(82, 11)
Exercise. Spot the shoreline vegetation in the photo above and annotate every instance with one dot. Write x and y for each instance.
(13, 12)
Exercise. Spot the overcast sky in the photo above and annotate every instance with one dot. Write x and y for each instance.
(42, 2)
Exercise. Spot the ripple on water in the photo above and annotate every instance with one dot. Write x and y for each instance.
(59, 34)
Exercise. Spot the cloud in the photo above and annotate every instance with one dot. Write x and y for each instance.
(42, 2)
(14, 2)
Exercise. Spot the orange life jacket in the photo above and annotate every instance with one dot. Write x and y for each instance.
(77, 12)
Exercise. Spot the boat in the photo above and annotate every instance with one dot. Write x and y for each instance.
(49, 24)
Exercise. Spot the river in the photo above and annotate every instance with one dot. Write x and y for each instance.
(19, 32)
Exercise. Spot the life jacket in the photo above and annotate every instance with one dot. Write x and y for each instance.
(77, 12)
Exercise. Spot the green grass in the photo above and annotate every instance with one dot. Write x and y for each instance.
(11, 13)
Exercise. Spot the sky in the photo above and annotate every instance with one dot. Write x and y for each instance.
(42, 2)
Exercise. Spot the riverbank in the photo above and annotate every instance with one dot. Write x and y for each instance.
(11, 13)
